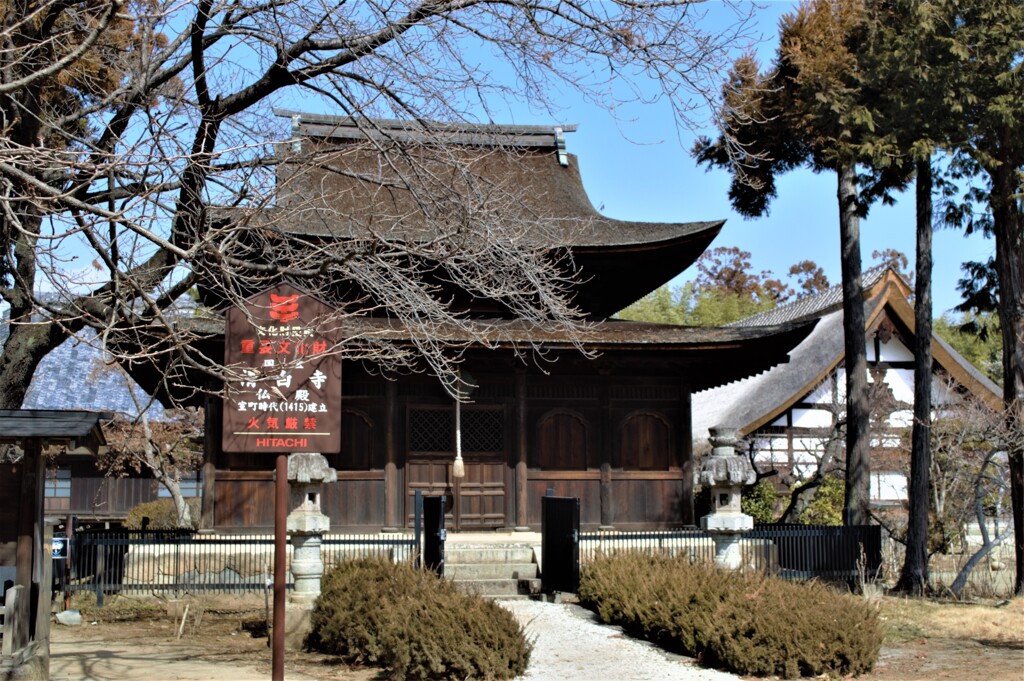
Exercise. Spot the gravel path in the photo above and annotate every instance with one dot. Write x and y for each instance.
(570, 644)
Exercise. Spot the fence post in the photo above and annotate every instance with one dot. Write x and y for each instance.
(433, 544)
(99, 573)
(417, 511)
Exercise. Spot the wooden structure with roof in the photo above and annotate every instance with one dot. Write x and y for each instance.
(789, 413)
(75, 378)
(612, 427)
(24, 541)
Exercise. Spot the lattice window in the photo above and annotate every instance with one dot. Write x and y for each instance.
(431, 430)
(58, 483)
(483, 430)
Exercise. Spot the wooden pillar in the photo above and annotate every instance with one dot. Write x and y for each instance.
(213, 422)
(393, 495)
(686, 510)
(607, 433)
(522, 471)
(29, 565)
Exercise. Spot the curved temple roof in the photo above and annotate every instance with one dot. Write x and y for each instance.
(343, 178)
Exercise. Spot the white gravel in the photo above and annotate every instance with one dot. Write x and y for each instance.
(569, 643)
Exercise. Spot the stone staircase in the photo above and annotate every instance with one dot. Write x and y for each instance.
(506, 571)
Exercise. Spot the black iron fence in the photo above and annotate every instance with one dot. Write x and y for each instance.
(793, 552)
(695, 544)
(182, 562)
(799, 552)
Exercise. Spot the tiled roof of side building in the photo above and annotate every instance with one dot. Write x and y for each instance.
(813, 306)
(74, 376)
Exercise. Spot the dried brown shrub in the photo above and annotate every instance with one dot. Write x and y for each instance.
(414, 624)
(748, 624)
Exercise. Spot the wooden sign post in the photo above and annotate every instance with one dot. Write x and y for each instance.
(288, 400)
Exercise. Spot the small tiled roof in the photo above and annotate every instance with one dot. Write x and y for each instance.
(80, 428)
(813, 306)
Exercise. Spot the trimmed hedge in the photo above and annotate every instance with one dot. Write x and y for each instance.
(747, 624)
(415, 624)
(162, 515)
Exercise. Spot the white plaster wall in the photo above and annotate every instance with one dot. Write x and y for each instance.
(894, 351)
(812, 418)
(901, 382)
(822, 394)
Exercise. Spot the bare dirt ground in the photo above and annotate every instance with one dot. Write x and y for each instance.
(924, 640)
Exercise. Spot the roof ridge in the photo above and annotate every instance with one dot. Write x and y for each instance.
(422, 125)
(816, 305)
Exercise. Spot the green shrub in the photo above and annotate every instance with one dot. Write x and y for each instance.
(826, 507)
(760, 500)
(161, 514)
(747, 624)
(414, 624)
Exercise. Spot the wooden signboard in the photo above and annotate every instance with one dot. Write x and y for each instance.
(290, 398)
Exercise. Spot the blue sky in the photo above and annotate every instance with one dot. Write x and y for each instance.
(641, 169)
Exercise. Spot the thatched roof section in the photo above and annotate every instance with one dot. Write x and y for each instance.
(753, 402)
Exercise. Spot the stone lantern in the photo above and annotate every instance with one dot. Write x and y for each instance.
(306, 523)
(726, 472)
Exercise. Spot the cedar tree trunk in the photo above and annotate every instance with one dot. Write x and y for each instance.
(914, 575)
(858, 443)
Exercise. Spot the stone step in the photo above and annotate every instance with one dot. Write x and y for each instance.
(461, 571)
(499, 588)
(488, 554)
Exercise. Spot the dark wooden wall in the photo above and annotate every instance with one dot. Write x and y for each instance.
(619, 442)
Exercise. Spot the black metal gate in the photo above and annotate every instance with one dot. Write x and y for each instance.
(434, 536)
(560, 547)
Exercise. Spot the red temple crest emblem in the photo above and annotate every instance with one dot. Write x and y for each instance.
(284, 308)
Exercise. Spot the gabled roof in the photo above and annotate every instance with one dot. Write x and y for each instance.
(815, 307)
(753, 402)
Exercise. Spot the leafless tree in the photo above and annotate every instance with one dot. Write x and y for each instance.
(126, 122)
(970, 475)
(819, 452)
(169, 450)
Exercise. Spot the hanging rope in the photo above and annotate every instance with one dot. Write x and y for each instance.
(459, 467)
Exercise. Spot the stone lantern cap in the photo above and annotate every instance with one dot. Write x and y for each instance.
(310, 468)
(726, 468)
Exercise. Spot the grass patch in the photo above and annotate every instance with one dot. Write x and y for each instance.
(747, 624)
(906, 619)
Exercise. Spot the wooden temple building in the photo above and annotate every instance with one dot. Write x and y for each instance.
(611, 426)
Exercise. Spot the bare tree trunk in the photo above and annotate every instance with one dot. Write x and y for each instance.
(1009, 231)
(914, 575)
(24, 349)
(165, 473)
(987, 543)
(858, 443)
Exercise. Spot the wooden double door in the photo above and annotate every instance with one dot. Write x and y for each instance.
(476, 501)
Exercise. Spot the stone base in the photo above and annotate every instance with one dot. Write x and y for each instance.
(296, 625)
(720, 522)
